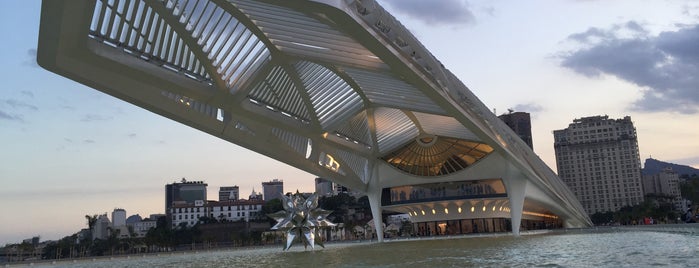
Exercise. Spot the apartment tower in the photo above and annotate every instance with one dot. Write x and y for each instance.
(272, 189)
(521, 124)
(598, 159)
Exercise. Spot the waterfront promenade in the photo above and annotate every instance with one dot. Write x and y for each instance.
(686, 228)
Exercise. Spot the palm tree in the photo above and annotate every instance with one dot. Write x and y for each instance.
(91, 220)
(113, 239)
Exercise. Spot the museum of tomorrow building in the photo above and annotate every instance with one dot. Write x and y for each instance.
(338, 88)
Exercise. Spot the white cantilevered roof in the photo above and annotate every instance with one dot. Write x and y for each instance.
(332, 87)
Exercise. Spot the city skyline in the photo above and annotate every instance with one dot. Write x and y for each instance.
(74, 148)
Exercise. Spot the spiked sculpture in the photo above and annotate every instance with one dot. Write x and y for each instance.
(301, 218)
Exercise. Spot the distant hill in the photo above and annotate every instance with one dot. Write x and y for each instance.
(654, 166)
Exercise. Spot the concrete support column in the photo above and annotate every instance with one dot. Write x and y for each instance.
(516, 188)
(374, 194)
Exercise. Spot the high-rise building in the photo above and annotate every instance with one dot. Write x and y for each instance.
(226, 193)
(520, 123)
(324, 187)
(272, 189)
(598, 159)
(118, 217)
(667, 182)
(183, 192)
(101, 228)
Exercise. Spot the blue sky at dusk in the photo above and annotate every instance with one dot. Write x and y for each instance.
(67, 150)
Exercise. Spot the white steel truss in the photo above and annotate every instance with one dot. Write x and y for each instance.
(338, 88)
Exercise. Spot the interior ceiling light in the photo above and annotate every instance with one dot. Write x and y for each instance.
(431, 155)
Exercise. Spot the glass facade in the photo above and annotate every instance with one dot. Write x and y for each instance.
(465, 226)
(474, 226)
(490, 188)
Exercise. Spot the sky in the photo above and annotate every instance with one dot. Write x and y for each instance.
(67, 150)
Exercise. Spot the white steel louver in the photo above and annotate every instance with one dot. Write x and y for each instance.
(386, 90)
(444, 126)
(297, 142)
(277, 89)
(393, 129)
(233, 49)
(356, 129)
(358, 164)
(322, 42)
(140, 31)
(332, 98)
(191, 103)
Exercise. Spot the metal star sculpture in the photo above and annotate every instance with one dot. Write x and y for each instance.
(301, 218)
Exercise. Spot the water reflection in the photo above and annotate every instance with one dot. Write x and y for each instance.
(581, 249)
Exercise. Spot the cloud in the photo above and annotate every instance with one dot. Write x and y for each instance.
(132, 135)
(631, 29)
(17, 104)
(665, 67)
(88, 141)
(95, 117)
(27, 93)
(528, 108)
(445, 12)
(31, 58)
(10, 117)
(10, 109)
(589, 35)
(635, 26)
(691, 11)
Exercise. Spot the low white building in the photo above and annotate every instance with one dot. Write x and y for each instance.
(232, 210)
(397, 219)
(141, 228)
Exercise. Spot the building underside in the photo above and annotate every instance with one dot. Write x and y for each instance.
(338, 88)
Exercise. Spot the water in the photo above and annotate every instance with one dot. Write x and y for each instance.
(579, 249)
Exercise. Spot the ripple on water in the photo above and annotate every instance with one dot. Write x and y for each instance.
(592, 249)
